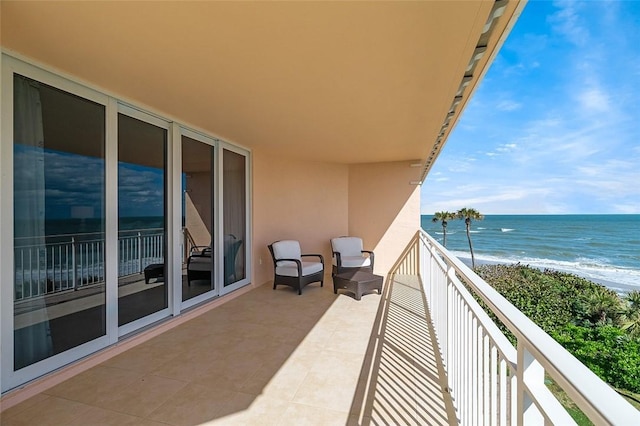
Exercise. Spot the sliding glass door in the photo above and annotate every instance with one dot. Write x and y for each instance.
(234, 219)
(198, 219)
(142, 219)
(59, 298)
(111, 219)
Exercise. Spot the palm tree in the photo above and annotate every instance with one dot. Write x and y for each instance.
(468, 215)
(443, 217)
(631, 321)
(604, 305)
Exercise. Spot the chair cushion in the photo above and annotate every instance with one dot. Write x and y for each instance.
(290, 269)
(200, 263)
(353, 261)
(347, 246)
(286, 249)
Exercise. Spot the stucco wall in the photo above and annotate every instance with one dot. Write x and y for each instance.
(292, 199)
(313, 202)
(384, 208)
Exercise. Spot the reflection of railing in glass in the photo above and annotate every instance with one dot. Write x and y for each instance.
(78, 261)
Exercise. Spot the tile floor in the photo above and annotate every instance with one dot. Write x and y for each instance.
(267, 358)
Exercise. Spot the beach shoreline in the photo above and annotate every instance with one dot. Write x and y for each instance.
(619, 288)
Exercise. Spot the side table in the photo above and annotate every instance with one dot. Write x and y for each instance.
(358, 282)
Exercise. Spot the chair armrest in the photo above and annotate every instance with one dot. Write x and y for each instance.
(298, 264)
(315, 255)
(200, 251)
(338, 257)
(371, 256)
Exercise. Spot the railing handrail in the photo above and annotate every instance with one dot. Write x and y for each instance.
(80, 234)
(595, 398)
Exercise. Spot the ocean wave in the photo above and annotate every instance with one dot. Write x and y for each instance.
(597, 270)
(507, 229)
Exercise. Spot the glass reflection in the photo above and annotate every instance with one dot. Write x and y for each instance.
(197, 217)
(235, 216)
(142, 289)
(59, 196)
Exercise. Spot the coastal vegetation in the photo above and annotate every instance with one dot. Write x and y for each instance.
(594, 323)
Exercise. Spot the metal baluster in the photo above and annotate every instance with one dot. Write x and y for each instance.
(140, 252)
(73, 263)
(53, 268)
(22, 266)
(60, 265)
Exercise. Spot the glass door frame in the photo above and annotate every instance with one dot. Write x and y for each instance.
(157, 121)
(178, 246)
(11, 378)
(247, 245)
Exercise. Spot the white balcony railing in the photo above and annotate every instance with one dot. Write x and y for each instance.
(490, 381)
(76, 261)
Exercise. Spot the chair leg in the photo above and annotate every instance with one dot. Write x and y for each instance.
(274, 285)
(299, 289)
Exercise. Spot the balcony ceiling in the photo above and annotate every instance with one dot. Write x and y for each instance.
(347, 82)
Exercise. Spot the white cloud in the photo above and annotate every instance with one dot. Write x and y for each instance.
(508, 106)
(567, 22)
(594, 99)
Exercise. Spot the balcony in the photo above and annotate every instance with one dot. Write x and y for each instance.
(422, 353)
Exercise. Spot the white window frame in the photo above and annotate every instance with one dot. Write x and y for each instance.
(154, 120)
(10, 378)
(247, 245)
(178, 248)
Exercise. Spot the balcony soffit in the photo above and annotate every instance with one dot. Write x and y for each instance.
(341, 82)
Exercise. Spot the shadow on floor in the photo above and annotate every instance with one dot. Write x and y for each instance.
(400, 382)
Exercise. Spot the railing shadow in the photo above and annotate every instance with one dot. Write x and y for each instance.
(402, 379)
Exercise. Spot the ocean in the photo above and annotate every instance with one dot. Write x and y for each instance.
(602, 248)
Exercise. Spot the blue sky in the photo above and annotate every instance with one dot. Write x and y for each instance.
(554, 127)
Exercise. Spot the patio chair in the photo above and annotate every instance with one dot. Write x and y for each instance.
(199, 264)
(290, 270)
(231, 249)
(348, 255)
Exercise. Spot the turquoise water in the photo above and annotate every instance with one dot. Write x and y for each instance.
(603, 248)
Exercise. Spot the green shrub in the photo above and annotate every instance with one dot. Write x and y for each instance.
(588, 319)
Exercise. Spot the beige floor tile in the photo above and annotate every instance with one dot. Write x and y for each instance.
(349, 340)
(302, 415)
(50, 411)
(30, 403)
(244, 409)
(143, 359)
(188, 368)
(95, 385)
(192, 405)
(282, 382)
(230, 374)
(327, 391)
(142, 396)
(336, 363)
(101, 417)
